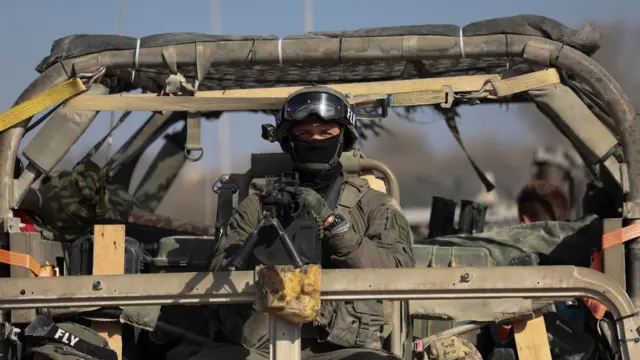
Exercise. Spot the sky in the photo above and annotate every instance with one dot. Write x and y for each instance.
(29, 27)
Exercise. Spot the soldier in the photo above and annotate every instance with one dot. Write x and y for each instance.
(363, 228)
(540, 200)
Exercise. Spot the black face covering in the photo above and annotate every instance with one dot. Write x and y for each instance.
(309, 154)
(316, 151)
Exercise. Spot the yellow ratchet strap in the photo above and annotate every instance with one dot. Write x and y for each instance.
(49, 98)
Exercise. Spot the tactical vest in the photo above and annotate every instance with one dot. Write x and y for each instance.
(303, 231)
(352, 324)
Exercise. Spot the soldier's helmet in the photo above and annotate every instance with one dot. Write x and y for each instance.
(66, 341)
(326, 104)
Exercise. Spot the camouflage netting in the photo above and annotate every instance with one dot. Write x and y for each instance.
(255, 76)
(75, 199)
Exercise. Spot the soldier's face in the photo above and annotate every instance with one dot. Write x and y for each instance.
(316, 130)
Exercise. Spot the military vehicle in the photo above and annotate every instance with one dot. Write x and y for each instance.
(59, 239)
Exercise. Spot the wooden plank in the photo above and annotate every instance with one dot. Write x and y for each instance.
(108, 259)
(414, 92)
(531, 339)
(268, 98)
(526, 82)
(142, 102)
(199, 104)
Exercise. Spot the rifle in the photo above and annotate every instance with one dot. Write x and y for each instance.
(279, 198)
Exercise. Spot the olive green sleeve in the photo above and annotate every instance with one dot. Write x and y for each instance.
(386, 242)
(243, 222)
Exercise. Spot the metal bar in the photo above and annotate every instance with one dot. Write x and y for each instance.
(549, 282)
(614, 257)
(394, 187)
(284, 339)
(396, 334)
(149, 132)
(5, 316)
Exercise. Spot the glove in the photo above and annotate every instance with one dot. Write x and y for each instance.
(452, 348)
(315, 203)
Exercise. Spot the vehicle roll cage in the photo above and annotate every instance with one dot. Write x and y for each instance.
(609, 104)
(550, 283)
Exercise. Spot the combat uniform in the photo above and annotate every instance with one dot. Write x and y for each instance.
(379, 237)
(367, 231)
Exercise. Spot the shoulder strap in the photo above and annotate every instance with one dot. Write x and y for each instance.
(352, 191)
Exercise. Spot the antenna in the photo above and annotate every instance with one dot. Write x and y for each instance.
(223, 121)
(308, 15)
(123, 5)
(223, 126)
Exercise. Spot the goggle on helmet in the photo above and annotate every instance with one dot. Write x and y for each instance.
(326, 104)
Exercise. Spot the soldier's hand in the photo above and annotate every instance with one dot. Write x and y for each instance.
(315, 203)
